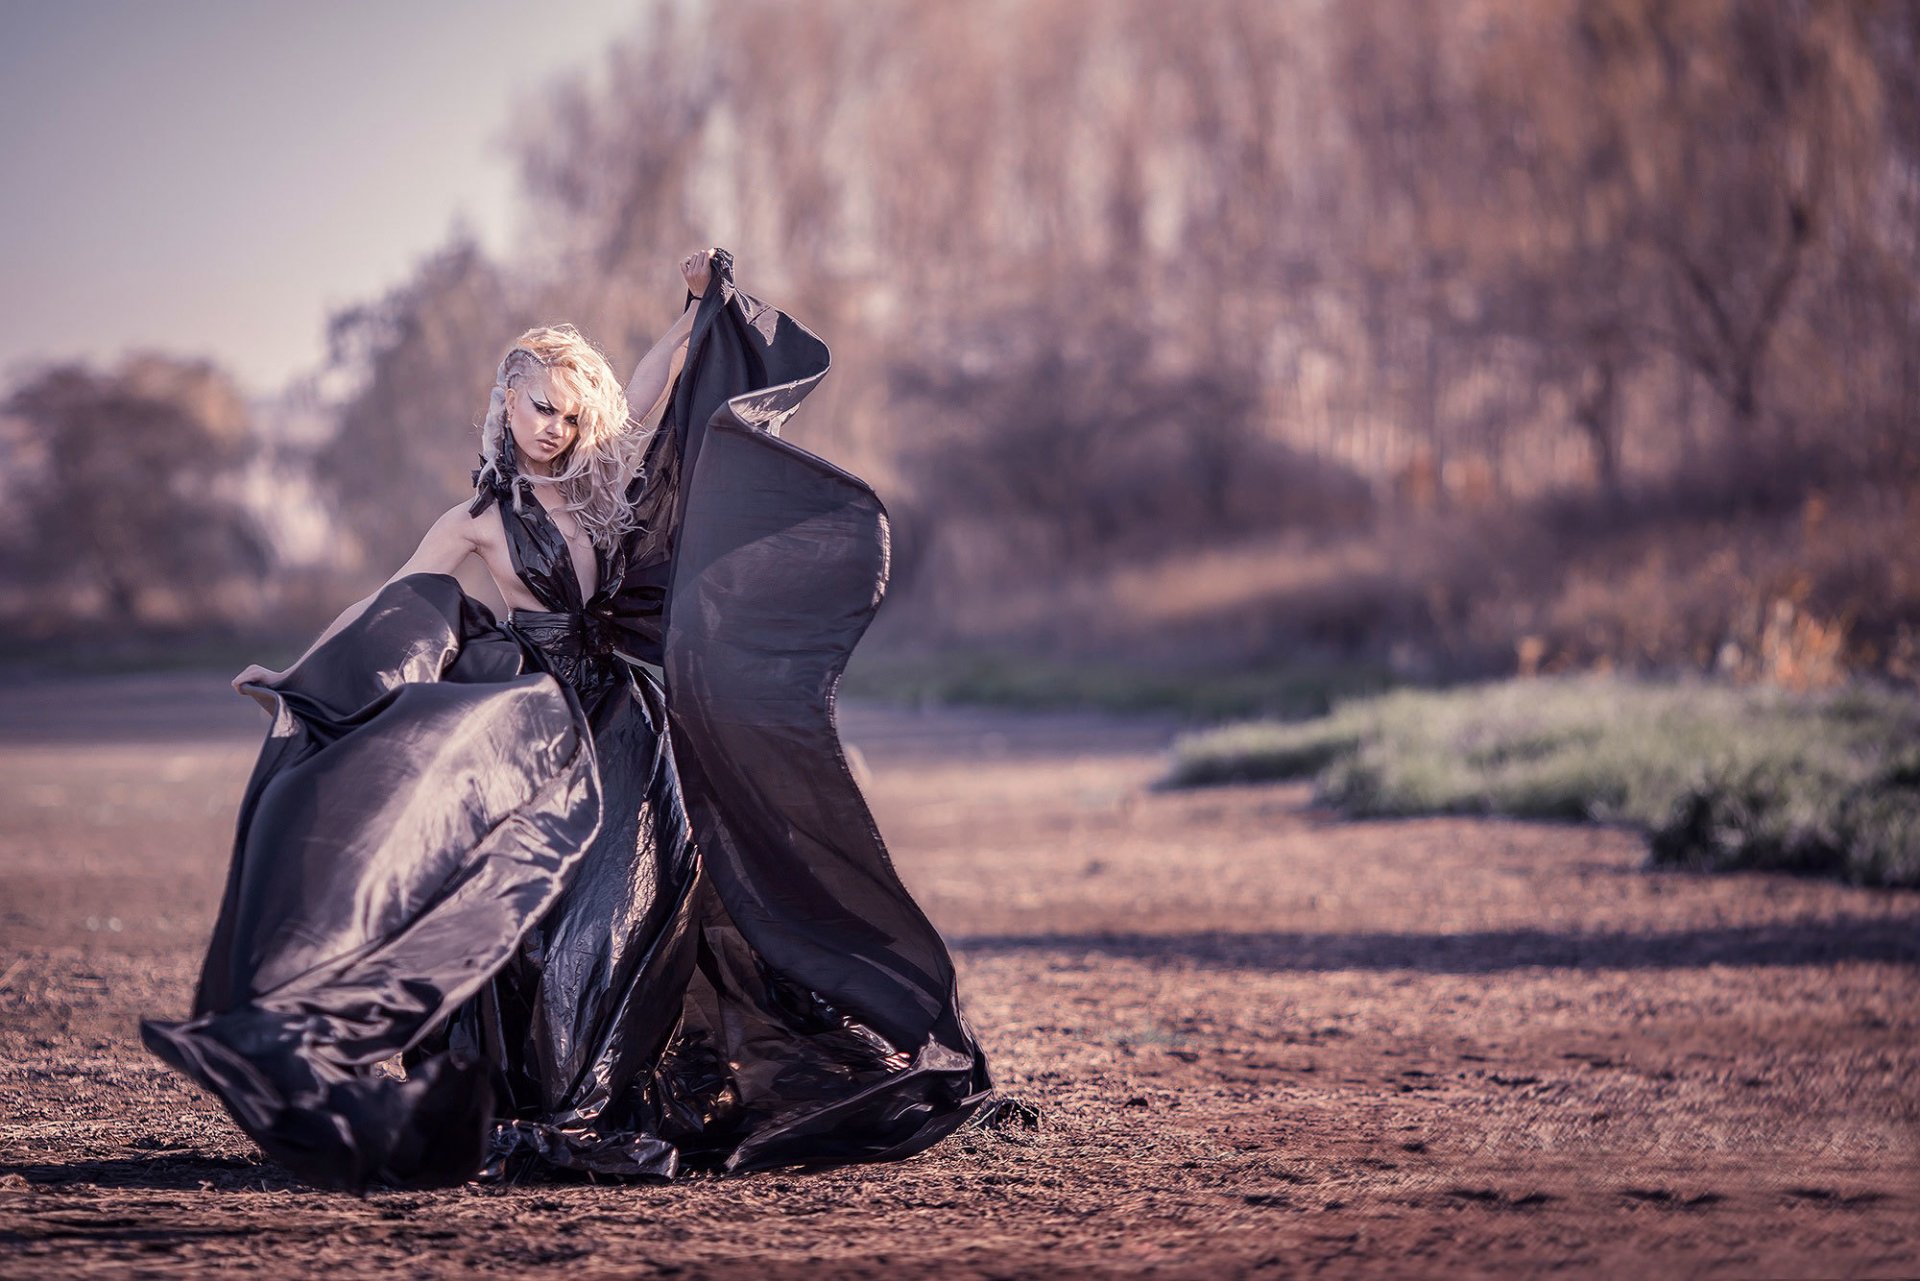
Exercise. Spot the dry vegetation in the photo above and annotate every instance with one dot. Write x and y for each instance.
(1450, 336)
(1717, 777)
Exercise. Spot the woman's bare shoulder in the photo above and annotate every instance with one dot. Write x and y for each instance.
(460, 521)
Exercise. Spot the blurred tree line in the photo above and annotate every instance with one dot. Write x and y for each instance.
(1460, 333)
(125, 512)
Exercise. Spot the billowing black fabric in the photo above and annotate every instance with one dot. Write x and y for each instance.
(609, 923)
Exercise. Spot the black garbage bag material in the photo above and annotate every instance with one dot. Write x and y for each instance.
(355, 916)
(611, 922)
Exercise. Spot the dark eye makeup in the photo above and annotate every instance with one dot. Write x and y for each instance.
(545, 408)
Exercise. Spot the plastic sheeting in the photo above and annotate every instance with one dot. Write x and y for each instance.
(608, 922)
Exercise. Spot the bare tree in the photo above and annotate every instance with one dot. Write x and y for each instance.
(1472, 248)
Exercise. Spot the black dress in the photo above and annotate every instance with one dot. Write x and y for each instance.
(609, 921)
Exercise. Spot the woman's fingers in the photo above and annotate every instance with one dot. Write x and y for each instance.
(696, 269)
(252, 675)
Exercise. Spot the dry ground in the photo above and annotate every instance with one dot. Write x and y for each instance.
(1262, 1040)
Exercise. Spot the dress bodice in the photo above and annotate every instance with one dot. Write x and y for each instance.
(574, 635)
(544, 561)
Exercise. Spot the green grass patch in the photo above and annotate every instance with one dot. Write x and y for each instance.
(1718, 777)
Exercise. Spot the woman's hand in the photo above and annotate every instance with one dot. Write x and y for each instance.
(255, 675)
(697, 270)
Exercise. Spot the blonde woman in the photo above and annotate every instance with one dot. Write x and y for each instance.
(590, 889)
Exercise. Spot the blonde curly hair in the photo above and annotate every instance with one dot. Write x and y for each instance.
(605, 456)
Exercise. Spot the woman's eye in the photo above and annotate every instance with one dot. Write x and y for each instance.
(573, 420)
(545, 409)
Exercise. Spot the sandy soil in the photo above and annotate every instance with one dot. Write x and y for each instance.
(1262, 1040)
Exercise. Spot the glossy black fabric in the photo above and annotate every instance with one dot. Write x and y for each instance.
(613, 922)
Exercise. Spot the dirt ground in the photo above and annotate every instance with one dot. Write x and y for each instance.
(1262, 1040)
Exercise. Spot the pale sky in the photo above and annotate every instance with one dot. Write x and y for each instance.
(209, 177)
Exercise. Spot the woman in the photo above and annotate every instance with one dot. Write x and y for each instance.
(503, 899)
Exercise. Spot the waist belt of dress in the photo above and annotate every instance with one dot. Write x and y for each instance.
(560, 631)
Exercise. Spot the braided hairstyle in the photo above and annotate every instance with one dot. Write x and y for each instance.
(594, 472)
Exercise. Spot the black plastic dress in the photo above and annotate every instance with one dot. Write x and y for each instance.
(609, 921)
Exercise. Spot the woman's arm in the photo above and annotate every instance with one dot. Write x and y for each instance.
(653, 374)
(443, 550)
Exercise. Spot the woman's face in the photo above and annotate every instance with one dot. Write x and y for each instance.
(545, 416)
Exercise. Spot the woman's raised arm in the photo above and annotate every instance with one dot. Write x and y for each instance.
(654, 374)
(446, 546)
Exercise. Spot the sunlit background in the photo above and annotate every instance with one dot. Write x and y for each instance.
(1232, 357)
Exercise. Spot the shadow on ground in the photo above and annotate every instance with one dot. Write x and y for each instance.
(177, 1171)
(1884, 939)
